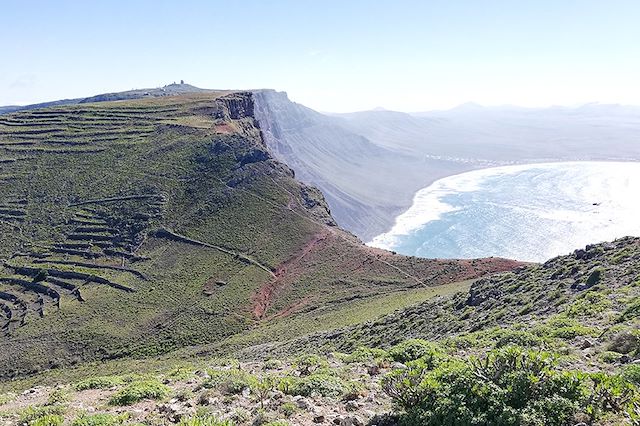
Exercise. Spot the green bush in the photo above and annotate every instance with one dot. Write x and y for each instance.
(632, 311)
(632, 373)
(563, 327)
(32, 414)
(181, 373)
(102, 382)
(609, 357)
(230, 382)
(100, 419)
(137, 391)
(8, 397)
(412, 349)
(507, 337)
(272, 364)
(589, 304)
(57, 396)
(288, 409)
(363, 354)
(204, 421)
(321, 383)
(307, 364)
(508, 387)
(48, 420)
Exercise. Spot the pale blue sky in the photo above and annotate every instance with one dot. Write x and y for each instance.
(330, 55)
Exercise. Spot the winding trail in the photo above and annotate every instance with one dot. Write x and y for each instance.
(165, 233)
(264, 297)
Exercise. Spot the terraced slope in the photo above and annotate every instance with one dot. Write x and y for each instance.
(140, 226)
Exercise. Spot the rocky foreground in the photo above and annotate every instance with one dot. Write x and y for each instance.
(306, 391)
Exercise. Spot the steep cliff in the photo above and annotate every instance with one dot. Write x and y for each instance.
(366, 185)
(137, 227)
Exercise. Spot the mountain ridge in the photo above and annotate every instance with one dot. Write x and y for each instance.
(169, 217)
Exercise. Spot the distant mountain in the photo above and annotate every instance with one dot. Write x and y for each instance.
(507, 134)
(9, 108)
(168, 90)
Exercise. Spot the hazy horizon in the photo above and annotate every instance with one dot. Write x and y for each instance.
(372, 109)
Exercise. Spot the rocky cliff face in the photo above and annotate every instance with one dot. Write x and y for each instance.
(359, 179)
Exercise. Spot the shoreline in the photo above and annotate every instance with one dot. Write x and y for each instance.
(428, 203)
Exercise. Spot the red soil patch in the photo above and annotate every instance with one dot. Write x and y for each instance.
(417, 272)
(224, 129)
(265, 296)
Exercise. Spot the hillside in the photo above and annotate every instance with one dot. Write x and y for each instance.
(555, 344)
(137, 227)
(585, 305)
(156, 92)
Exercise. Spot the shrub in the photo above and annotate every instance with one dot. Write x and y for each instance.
(589, 304)
(363, 354)
(412, 349)
(288, 409)
(181, 373)
(137, 391)
(307, 364)
(57, 396)
(204, 421)
(632, 311)
(564, 328)
(31, 414)
(507, 337)
(102, 382)
(320, 383)
(286, 384)
(609, 357)
(632, 373)
(607, 394)
(272, 364)
(100, 419)
(508, 387)
(8, 397)
(230, 382)
(262, 388)
(48, 420)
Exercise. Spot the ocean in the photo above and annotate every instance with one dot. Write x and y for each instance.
(527, 212)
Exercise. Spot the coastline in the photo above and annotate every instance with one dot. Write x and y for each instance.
(429, 205)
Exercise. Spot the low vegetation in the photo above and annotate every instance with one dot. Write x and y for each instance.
(413, 383)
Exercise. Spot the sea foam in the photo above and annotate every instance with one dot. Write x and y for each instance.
(527, 212)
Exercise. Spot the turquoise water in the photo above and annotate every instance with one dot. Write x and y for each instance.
(525, 212)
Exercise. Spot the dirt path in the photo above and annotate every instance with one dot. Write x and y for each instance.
(165, 233)
(263, 299)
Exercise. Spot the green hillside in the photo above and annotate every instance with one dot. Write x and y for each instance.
(141, 226)
(555, 344)
(585, 306)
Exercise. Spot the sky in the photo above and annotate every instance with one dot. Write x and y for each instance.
(330, 55)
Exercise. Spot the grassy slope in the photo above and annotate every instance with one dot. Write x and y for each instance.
(164, 223)
(585, 306)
